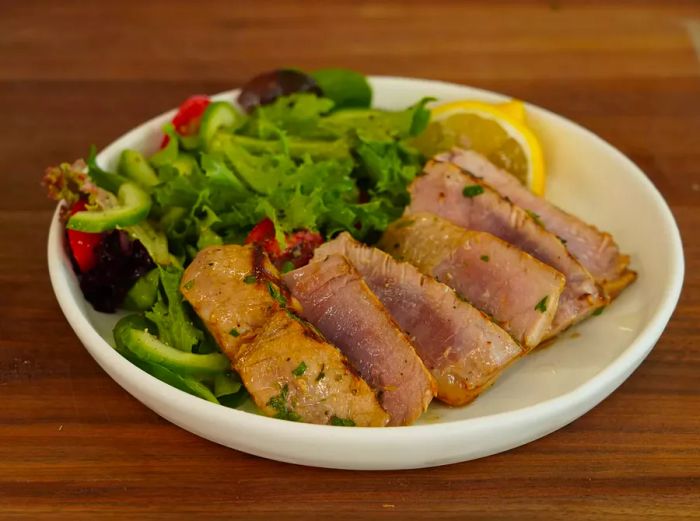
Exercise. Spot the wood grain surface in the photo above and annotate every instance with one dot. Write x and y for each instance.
(74, 445)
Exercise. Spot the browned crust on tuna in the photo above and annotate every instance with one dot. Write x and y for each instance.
(611, 287)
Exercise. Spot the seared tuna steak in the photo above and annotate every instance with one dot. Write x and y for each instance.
(459, 345)
(231, 288)
(337, 301)
(594, 249)
(292, 373)
(289, 370)
(467, 201)
(518, 291)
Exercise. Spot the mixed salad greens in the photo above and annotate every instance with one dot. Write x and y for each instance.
(301, 158)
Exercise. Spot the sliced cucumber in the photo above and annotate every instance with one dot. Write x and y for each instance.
(142, 295)
(218, 115)
(189, 142)
(167, 155)
(185, 163)
(185, 383)
(107, 180)
(227, 383)
(134, 205)
(133, 165)
(149, 349)
(133, 321)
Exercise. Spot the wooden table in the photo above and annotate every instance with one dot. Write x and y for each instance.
(74, 445)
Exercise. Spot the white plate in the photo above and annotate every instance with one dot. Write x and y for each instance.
(537, 395)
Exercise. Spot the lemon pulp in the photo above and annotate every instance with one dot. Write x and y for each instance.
(497, 131)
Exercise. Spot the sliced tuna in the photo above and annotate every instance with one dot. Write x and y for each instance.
(293, 374)
(594, 249)
(467, 201)
(518, 291)
(460, 345)
(337, 300)
(290, 371)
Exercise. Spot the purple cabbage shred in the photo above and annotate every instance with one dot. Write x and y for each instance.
(120, 263)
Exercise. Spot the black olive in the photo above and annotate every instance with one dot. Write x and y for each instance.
(268, 86)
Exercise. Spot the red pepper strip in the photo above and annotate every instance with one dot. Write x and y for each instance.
(300, 244)
(300, 247)
(188, 117)
(83, 244)
(263, 233)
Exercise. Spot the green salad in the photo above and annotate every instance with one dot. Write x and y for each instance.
(300, 158)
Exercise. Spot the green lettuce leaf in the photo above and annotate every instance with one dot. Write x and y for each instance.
(169, 314)
(297, 114)
(345, 87)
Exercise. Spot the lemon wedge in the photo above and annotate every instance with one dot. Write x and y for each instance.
(514, 108)
(497, 130)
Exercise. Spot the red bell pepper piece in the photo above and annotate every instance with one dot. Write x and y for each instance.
(300, 244)
(300, 247)
(83, 244)
(188, 117)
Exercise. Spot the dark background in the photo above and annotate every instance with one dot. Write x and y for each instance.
(74, 445)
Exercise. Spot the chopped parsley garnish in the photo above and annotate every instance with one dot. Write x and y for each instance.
(316, 330)
(234, 332)
(300, 369)
(485, 258)
(535, 217)
(304, 323)
(598, 311)
(279, 403)
(542, 305)
(287, 266)
(296, 317)
(472, 190)
(341, 422)
(250, 279)
(189, 284)
(275, 294)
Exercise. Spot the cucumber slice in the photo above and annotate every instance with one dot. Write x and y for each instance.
(149, 349)
(218, 115)
(134, 205)
(185, 163)
(143, 293)
(107, 180)
(133, 321)
(189, 142)
(167, 155)
(226, 383)
(185, 383)
(133, 165)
